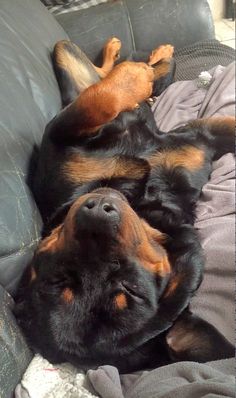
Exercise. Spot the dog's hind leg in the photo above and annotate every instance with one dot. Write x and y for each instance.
(126, 86)
(75, 72)
(193, 339)
(219, 131)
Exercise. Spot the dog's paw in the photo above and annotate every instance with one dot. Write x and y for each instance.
(164, 51)
(112, 47)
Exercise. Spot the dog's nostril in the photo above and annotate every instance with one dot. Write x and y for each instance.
(107, 207)
(90, 203)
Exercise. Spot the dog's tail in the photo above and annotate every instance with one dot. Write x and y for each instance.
(219, 132)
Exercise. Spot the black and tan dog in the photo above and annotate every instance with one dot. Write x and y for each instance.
(111, 281)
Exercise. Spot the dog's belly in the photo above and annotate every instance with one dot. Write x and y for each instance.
(114, 158)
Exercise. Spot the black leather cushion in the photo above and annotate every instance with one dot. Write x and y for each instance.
(14, 353)
(91, 28)
(29, 98)
(140, 24)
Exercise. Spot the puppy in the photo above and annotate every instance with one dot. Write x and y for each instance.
(112, 278)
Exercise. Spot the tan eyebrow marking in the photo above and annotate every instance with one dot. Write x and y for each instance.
(121, 301)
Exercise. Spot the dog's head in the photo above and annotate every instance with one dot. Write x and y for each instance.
(94, 281)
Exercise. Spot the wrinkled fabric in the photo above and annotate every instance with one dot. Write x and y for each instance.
(44, 380)
(179, 380)
(184, 380)
(184, 101)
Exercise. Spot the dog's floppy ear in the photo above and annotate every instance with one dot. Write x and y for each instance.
(193, 339)
(57, 217)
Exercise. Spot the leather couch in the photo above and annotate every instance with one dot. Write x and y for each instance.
(29, 98)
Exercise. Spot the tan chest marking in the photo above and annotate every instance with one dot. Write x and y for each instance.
(188, 156)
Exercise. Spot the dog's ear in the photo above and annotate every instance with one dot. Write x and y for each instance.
(57, 218)
(193, 339)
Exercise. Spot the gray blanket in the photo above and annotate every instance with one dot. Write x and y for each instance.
(179, 380)
(215, 222)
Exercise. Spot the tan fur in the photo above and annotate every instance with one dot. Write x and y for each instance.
(188, 157)
(217, 124)
(152, 260)
(76, 68)
(127, 85)
(140, 240)
(120, 301)
(67, 295)
(162, 52)
(53, 242)
(111, 53)
(81, 169)
(162, 69)
(172, 286)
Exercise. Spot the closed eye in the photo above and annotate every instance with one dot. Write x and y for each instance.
(131, 290)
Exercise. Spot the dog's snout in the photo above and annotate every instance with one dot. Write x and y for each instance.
(98, 214)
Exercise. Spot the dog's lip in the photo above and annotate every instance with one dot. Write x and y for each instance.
(110, 192)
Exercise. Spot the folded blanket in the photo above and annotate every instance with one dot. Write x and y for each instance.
(214, 301)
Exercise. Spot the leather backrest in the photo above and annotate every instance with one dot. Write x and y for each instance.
(14, 353)
(29, 98)
(140, 24)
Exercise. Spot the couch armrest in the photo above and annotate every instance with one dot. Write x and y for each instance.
(140, 24)
(14, 353)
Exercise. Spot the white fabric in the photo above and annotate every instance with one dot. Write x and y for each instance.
(43, 380)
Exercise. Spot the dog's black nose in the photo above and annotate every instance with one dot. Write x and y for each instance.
(98, 214)
(104, 207)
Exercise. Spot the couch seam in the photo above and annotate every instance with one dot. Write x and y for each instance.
(130, 25)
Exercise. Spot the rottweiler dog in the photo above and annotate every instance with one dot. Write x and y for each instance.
(112, 278)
